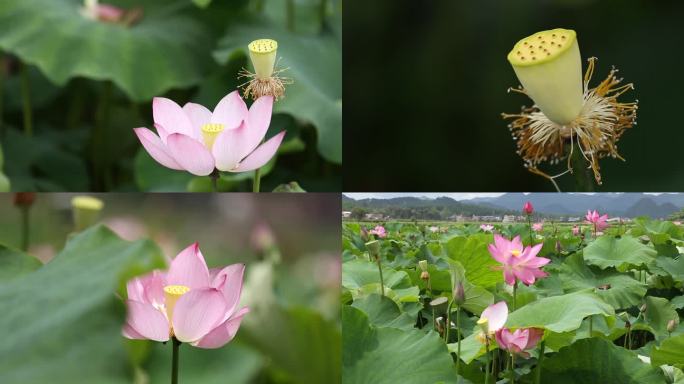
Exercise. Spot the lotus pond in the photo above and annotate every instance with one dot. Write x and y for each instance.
(510, 303)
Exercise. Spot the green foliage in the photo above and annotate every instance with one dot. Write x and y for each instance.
(622, 253)
(15, 264)
(670, 351)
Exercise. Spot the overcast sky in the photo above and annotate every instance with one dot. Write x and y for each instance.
(455, 196)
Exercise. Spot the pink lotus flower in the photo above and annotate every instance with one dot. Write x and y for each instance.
(492, 319)
(518, 261)
(196, 305)
(677, 222)
(487, 227)
(196, 140)
(537, 227)
(378, 231)
(576, 230)
(434, 229)
(599, 222)
(519, 340)
(93, 10)
(528, 209)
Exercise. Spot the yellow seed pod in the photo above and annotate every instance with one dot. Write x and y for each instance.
(210, 132)
(171, 295)
(86, 211)
(262, 52)
(549, 67)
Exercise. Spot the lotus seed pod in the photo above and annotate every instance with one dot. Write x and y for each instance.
(86, 210)
(262, 52)
(671, 325)
(425, 275)
(423, 264)
(549, 67)
(373, 248)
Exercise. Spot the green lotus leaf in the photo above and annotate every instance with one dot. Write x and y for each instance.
(559, 313)
(163, 50)
(596, 360)
(378, 355)
(473, 255)
(658, 312)
(69, 297)
(315, 66)
(14, 263)
(658, 231)
(622, 253)
(617, 289)
(384, 312)
(670, 351)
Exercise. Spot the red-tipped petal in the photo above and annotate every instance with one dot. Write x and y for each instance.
(189, 269)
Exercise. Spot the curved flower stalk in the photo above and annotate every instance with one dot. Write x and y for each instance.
(266, 79)
(567, 112)
(196, 140)
(189, 302)
(518, 262)
(519, 341)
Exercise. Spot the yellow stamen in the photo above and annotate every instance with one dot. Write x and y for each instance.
(262, 52)
(516, 252)
(209, 133)
(172, 293)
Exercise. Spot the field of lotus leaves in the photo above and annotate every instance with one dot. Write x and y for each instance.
(468, 303)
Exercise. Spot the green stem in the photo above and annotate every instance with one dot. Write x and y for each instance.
(99, 151)
(487, 359)
(448, 322)
(259, 5)
(512, 368)
(591, 325)
(26, 100)
(382, 281)
(257, 180)
(174, 361)
(458, 335)
(495, 365)
(290, 11)
(25, 228)
(323, 12)
(537, 379)
(2, 94)
(529, 226)
(515, 291)
(214, 180)
(584, 181)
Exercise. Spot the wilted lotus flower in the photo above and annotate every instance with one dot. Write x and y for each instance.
(434, 229)
(528, 209)
(538, 227)
(599, 222)
(492, 319)
(266, 80)
(487, 227)
(378, 231)
(518, 261)
(575, 230)
(196, 140)
(566, 111)
(189, 302)
(519, 341)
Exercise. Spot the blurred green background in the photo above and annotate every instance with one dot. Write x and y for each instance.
(62, 319)
(88, 83)
(425, 84)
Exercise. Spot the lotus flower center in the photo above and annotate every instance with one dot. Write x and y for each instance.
(262, 52)
(483, 322)
(515, 252)
(172, 293)
(209, 133)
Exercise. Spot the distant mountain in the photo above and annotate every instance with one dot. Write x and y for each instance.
(648, 207)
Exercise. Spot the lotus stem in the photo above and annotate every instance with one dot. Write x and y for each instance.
(290, 11)
(323, 12)
(174, 360)
(25, 227)
(382, 281)
(100, 158)
(214, 180)
(515, 291)
(257, 180)
(495, 365)
(26, 101)
(487, 359)
(448, 322)
(2, 81)
(512, 368)
(591, 325)
(584, 181)
(529, 227)
(458, 336)
(537, 379)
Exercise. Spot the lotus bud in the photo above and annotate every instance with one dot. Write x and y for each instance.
(423, 264)
(425, 275)
(528, 209)
(459, 294)
(671, 325)
(642, 308)
(373, 248)
(24, 199)
(549, 67)
(86, 210)
(363, 232)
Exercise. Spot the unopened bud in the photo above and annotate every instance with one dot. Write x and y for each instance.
(363, 232)
(373, 248)
(423, 264)
(671, 325)
(459, 294)
(642, 309)
(24, 199)
(425, 275)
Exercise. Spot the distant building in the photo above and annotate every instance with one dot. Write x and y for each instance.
(508, 219)
(346, 214)
(574, 219)
(374, 216)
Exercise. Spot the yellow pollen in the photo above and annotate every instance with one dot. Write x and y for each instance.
(172, 293)
(482, 320)
(516, 252)
(209, 133)
(263, 46)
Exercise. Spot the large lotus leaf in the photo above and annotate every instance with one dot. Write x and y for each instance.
(658, 312)
(358, 273)
(617, 289)
(384, 312)
(62, 323)
(624, 253)
(474, 256)
(163, 50)
(476, 297)
(677, 302)
(376, 355)
(670, 351)
(672, 266)
(658, 231)
(596, 360)
(559, 313)
(4, 181)
(315, 66)
(14, 263)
